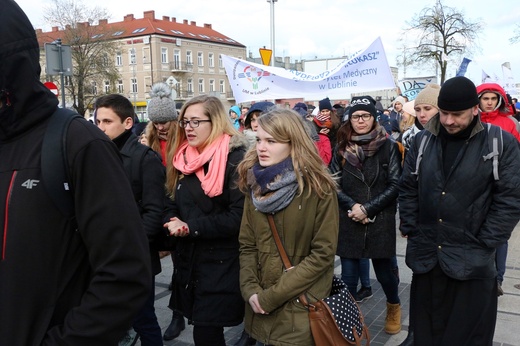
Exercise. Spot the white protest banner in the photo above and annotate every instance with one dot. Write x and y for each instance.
(366, 71)
(411, 87)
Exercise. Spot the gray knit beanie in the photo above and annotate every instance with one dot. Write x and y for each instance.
(161, 107)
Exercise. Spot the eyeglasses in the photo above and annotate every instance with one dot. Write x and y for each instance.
(365, 116)
(193, 123)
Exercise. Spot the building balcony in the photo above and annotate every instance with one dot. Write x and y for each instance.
(230, 96)
(181, 66)
(184, 95)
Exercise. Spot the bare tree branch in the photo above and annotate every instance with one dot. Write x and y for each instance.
(92, 48)
(440, 33)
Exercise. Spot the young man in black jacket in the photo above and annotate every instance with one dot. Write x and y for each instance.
(63, 281)
(114, 115)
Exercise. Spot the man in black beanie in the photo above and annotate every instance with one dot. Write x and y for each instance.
(455, 213)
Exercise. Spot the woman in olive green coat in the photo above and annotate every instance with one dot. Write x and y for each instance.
(284, 175)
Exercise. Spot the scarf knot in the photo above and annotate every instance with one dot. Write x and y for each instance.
(359, 147)
(272, 187)
(188, 160)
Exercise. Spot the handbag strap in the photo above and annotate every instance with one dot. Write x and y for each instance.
(285, 259)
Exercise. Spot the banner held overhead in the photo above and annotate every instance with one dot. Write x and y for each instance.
(366, 71)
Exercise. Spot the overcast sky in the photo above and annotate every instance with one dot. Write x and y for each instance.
(305, 29)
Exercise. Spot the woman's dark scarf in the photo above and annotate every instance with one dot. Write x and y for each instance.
(359, 147)
(272, 187)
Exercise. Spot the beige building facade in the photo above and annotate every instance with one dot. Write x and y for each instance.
(183, 54)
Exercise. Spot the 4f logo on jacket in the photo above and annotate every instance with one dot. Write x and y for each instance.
(30, 183)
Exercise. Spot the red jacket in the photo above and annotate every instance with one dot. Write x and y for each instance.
(500, 116)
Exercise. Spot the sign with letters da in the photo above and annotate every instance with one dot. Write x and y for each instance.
(411, 87)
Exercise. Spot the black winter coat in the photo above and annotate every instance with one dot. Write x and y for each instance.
(61, 282)
(147, 177)
(458, 220)
(206, 276)
(375, 186)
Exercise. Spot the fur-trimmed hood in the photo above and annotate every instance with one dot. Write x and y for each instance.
(237, 142)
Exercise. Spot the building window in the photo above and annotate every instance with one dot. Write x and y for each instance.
(222, 86)
(164, 55)
(189, 58)
(107, 87)
(220, 62)
(132, 56)
(120, 86)
(190, 85)
(211, 60)
(133, 82)
(200, 59)
(211, 85)
(201, 85)
(94, 88)
(177, 59)
(119, 59)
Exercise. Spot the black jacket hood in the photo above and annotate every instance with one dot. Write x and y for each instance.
(25, 100)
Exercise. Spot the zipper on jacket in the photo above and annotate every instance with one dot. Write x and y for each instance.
(6, 213)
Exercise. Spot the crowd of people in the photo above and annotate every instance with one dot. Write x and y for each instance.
(202, 184)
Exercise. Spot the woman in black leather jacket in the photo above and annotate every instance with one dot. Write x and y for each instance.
(368, 165)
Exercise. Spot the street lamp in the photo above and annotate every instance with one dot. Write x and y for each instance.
(272, 31)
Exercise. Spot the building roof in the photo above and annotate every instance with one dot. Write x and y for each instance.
(149, 25)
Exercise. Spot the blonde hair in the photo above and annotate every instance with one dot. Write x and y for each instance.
(286, 126)
(153, 137)
(220, 124)
(406, 124)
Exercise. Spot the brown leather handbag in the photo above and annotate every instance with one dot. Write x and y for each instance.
(335, 320)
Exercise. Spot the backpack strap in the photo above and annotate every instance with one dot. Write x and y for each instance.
(496, 147)
(54, 163)
(425, 139)
(517, 124)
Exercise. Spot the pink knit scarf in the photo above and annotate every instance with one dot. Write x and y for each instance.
(188, 160)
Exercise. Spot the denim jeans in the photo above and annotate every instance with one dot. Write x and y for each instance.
(350, 273)
(364, 272)
(145, 323)
(500, 260)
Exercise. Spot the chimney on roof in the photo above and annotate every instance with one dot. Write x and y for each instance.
(82, 25)
(38, 31)
(184, 21)
(174, 20)
(194, 23)
(166, 18)
(128, 17)
(103, 21)
(55, 29)
(207, 26)
(149, 14)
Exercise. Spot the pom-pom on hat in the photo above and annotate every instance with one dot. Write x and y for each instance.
(366, 103)
(161, 107)
(428, 95)
(457, 94)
